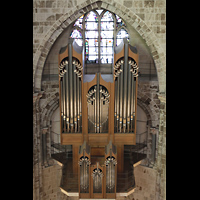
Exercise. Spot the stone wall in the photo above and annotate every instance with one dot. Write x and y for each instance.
(50, 19)
(145, 179)
(51, 182)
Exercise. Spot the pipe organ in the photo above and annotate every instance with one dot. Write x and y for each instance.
(125, 75)
(98, 117)
(98, 104)
(70, 75)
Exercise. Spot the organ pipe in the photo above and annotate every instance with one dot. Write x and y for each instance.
(78, 107)
(95, 111)
(70, 74)
(100, 110)
(67, 97)
(64, 105)
(71, 88)
(75, 103)
(125, 76)
(117, 102)
(121, 99)
(125, 86)
(97, 100)
(129, 98)
(61, 102)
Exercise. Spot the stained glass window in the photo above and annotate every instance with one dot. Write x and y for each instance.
(122, 33)
(120, 22)
(99, 28)
(79, 22)
(78, 36)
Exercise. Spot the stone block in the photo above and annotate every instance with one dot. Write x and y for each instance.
(128, 4)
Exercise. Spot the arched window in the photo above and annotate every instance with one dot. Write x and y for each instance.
(100, 30)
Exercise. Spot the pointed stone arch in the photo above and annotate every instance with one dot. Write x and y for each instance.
(129, 16)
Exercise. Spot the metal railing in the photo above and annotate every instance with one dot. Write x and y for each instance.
(135, 153)
(69, 182)
(125, 181)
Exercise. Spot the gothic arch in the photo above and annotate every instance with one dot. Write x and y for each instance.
(66, 19)
(47, 111)
(151, 116)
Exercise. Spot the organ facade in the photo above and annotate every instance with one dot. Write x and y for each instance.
(98, 118)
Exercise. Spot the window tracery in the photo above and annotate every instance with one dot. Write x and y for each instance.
(100, 30)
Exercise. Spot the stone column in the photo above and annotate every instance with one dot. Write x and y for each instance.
(44, 145)
(160, 164)
(37, 168)
(154, 133)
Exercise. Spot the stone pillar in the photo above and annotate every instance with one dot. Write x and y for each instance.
(37, 168)
(160, 164)
(153, 132)
(44, 145)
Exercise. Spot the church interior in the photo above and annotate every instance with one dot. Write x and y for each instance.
(99, 100)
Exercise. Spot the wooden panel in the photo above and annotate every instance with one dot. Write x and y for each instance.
(111, 112)
(97, 151)
(84, 112)
(119, 55)
(136, 88)
(98, 139)
(120, 158)
(75, 148)
(77, 55)
(126, 139)
(71, 138)
(63, 55)
(133, 55)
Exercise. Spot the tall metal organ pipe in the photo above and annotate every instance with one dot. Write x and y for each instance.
(78, 107)
(61, 86)
(67, 96)
(121, 98)
(75, 105)
(71, 88)
(125, 86)
(98, 102)
(64, 105)
(129, 98)
(125, 102)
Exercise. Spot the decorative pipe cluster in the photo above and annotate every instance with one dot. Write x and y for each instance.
(97, 172)
(90, 95)
(110, 172)
(105, 95)
(109, 160)
(84, 162)
(78, 69)
(126, 72)
(134, 68)
(62, 68)
(70, 73)
(117, 68)
(84, 159)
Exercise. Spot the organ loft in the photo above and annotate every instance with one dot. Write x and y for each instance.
(98, 119)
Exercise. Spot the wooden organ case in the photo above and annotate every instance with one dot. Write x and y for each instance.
(98, 117)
